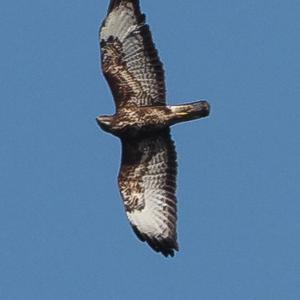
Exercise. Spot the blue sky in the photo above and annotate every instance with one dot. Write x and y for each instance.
(63, 231)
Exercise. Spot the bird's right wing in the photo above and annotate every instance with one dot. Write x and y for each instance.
(147, 182)
(130, 62)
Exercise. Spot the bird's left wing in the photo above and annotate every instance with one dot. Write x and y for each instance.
(130, 62)
(147, 182)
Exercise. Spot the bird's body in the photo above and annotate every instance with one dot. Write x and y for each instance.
(147, 177)
(136, 121)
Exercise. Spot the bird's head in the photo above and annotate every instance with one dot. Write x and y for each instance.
(105, 122)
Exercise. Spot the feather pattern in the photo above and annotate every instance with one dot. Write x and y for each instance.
(147, 182)
(130, 62)
(147, 176)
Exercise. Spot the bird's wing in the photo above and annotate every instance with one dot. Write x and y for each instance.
(130, 62)
(147, 182)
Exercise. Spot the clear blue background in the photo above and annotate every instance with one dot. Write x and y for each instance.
(63, 231)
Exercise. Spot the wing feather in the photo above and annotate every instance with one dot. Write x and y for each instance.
(147, 182)
(130, 62)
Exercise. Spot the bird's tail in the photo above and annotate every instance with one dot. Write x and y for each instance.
(189, 111)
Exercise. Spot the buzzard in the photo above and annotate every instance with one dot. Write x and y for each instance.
(147, 176)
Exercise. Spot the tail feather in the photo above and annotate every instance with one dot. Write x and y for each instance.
(189, 111)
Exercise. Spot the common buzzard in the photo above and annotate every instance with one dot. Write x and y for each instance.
(134, 72)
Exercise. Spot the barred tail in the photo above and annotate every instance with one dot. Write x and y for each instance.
(189, 111)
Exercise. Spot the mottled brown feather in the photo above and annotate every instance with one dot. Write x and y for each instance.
(147, 182)
(130, 62)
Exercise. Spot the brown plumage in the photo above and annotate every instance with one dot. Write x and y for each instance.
(147, 177)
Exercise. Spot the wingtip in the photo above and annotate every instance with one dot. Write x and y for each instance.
(114, 3)
(166, 246)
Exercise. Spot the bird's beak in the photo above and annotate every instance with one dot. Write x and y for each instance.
(98, 119)
(104, 122)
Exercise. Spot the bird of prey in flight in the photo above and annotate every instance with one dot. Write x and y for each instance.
(147, 176)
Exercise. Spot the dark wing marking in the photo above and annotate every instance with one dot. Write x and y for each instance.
(130, 62)
(147, 182)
